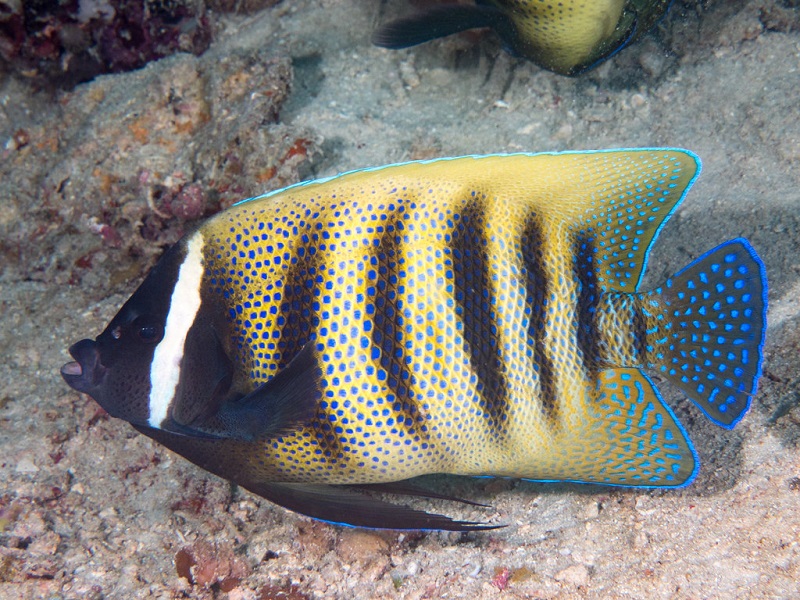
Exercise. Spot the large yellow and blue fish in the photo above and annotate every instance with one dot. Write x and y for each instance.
(566, 37)
(475, 316)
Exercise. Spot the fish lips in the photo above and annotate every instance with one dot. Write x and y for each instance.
(86, 373)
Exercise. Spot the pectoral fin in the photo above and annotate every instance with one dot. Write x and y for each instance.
(342, 506)
(282, 404)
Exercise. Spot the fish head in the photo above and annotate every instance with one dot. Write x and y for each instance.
(115, 368)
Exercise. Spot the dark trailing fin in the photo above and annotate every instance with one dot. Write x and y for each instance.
(708, 333)
(436, 22)
(342, 506)
(406, 488)
(203, 389)
(334, 504)
(282, 404)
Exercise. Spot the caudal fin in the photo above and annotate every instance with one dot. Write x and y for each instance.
(705, 329)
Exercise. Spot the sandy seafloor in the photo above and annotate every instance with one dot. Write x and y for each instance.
(91, 509)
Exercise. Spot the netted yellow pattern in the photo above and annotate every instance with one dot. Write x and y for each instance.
(563, 34)
(453, 307)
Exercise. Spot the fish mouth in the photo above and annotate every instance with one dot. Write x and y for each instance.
(85, 373)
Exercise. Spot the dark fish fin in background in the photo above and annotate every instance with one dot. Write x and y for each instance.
(625, 32)
(709, 339)
(436, 22)
(342, 506)
(282, 404)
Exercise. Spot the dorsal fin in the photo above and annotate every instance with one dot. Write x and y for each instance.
(625, 206)
(613, 201)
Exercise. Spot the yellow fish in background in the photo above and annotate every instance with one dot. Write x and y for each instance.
(473, 316)
(566, 36)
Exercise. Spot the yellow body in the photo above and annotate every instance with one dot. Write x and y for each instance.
(566, 34)
(446, 301)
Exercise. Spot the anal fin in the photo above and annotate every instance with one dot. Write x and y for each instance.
(633, 438)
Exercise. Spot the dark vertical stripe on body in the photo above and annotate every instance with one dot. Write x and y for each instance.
(298, 323)
(639, 333)
(472, 289)
(584, 267)
(389, 329)
(537, 297)
(296, 320)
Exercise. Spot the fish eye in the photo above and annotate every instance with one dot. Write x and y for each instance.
(148, 330)
(148, 333)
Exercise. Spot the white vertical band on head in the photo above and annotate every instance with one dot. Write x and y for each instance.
(165, 370)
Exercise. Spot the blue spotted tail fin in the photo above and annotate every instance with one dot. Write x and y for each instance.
(705, 329)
